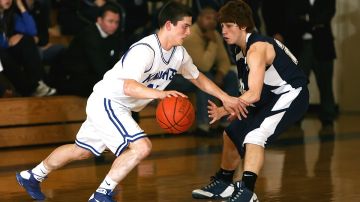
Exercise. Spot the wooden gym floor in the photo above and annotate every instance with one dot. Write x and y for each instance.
(305, 165)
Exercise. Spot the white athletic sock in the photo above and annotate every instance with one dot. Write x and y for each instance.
(40, 172)
(108, 183)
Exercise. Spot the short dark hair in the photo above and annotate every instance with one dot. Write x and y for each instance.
(239, 12)
(173, 11)
(106, 8)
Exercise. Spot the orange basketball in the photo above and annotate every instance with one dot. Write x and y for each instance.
(175, 114)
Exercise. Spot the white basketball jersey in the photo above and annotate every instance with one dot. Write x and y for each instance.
(149, 64)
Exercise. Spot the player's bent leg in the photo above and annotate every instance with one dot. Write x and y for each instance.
(230, 157)
(64, 155)
(122, 165)
(126, 161)
(30, 179)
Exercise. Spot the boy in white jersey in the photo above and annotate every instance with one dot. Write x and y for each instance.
(139, 77)
(276, 89)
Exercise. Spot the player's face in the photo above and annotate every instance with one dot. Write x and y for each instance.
(109, 23)
(5, 4)
(231, 32)
(181, 30)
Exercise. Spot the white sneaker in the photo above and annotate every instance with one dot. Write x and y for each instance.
(43, 90)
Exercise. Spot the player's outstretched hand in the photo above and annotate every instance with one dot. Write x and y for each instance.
(215, 112)
(170, 93)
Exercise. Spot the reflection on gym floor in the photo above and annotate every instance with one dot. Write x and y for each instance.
(306, 164)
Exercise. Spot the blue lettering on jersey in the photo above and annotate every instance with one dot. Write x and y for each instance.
(165, 75)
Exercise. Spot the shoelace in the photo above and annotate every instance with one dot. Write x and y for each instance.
(213, 182)
(238, 192)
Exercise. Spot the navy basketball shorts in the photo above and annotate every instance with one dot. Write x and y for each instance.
(265, 123)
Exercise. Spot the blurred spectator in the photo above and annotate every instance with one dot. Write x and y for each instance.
(205, 46)
(309, 36)
(91, 53)
(19, 53)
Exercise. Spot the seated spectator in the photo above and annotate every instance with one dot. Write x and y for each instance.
(19, 53)
(205, 46)
(91, 53)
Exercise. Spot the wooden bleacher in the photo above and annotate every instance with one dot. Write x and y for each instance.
(48, 120)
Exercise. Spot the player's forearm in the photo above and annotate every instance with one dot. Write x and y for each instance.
(209, 87)
(251, 96)
(134, 89)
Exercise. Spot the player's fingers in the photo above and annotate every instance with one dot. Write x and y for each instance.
(212, 118)
(237, 112)
(181, 94)
(211, 103)
(243, 112)
(244, 102)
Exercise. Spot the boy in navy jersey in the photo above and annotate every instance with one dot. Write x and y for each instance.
(276, 90)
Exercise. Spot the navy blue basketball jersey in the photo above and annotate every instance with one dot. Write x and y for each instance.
(281, 76)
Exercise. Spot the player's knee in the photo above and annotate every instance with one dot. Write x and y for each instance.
(256, 138)
(143, 149)
(82, 153)
(146, 150)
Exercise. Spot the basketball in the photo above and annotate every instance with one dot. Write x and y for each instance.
(175, 114)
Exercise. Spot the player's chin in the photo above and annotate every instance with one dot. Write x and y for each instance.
(228, 41)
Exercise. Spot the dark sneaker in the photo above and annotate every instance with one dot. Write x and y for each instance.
(217, 189)
(102, 195)
(31, 185)
(242, 194)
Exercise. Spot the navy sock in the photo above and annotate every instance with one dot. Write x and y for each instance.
(249, 179)
(225, 175)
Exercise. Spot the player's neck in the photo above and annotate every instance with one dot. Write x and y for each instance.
(165, 41)
(242, 41)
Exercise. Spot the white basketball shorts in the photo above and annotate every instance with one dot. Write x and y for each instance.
(108, 125)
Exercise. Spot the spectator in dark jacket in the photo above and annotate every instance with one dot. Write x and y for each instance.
(90, 54)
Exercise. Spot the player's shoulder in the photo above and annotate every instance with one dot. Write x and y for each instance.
(147, 43)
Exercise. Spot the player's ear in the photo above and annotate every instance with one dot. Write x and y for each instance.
(168, 25)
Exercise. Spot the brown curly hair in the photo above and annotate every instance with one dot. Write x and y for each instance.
(239, 12)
